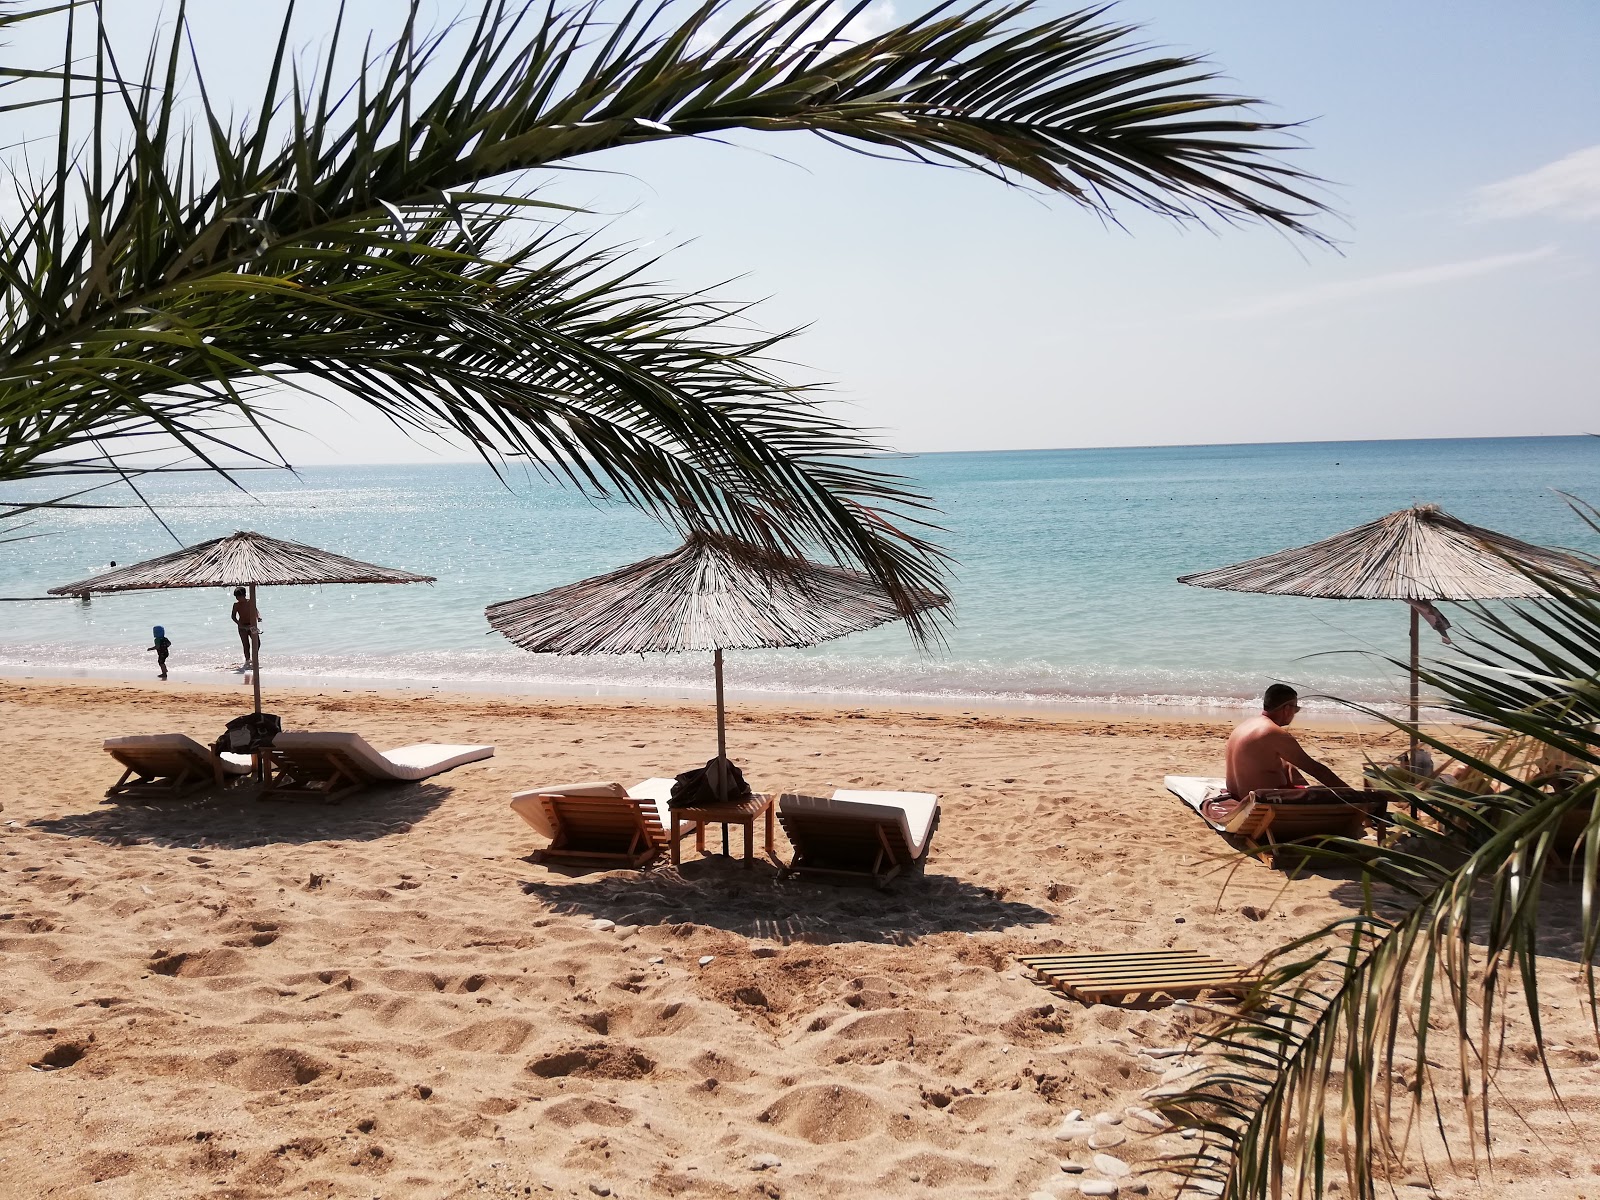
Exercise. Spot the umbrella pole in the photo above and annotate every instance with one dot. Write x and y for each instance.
(255, 650)
(1415, 666)
(722, 746)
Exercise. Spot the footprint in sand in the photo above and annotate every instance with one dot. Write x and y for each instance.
(203, 964)
(61, 1056)
(597, 1060)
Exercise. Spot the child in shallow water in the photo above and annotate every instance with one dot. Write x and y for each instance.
(162, 648)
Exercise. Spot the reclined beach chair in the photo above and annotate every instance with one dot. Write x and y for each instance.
(1277, 816)
(330, 766)
(165, 766)
(599, 823)
(859, 836)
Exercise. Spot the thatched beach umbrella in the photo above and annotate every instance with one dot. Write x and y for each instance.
(711, 594)
(1417, 555)
(240, 559)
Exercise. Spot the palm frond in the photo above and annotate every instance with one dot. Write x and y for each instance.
(370, 229)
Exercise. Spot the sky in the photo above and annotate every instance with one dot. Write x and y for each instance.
(1462, 142)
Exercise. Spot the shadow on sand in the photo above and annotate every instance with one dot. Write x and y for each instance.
(719, 893)
(236, 819)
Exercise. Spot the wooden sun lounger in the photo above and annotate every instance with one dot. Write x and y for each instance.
(1282, 816)
(165, 766)
(331, 766)
(1140, 978)
(859, 836)
(599, 824)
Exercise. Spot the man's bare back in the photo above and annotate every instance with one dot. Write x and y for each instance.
(1262, 753)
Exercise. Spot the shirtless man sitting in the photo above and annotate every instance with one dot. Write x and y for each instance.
(1262, 753)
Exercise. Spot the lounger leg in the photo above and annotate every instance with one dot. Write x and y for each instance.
(772, 849)
(885, 853)
(749, 843)
(677, 852)
(334, 796)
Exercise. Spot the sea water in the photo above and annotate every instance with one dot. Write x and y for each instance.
(1064, 577)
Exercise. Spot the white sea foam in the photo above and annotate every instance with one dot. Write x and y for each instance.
(753, 674)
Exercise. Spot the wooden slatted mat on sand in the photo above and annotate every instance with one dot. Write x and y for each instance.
(1139, 978)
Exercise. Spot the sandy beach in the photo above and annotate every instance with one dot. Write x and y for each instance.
(386, 998)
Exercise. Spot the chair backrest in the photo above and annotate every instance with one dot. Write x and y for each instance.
(534, 805)
(604, 818)
(843, 828)
(902, 820)
(349, 752)
(159, 753)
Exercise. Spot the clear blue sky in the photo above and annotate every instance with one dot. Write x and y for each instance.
(1463, 142)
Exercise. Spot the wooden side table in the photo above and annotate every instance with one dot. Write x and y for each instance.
(760, 804)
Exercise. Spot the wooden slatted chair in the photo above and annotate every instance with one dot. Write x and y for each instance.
(1278, 817)
(165, 766)
(857, 836)
(600, 824)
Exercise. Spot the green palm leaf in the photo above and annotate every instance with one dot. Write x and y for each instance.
(386, 234)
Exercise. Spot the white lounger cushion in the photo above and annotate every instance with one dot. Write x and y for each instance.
(182, 743)
(911, 811)
(404, 764)
(529, 807)
(1195, 790)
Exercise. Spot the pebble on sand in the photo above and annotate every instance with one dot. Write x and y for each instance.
(1071, 1131)
(705, 959)
(1098, 1187)
(1149, 1117)
(1108, 1164)
(1072, 1168)
(765, 1162)
(1104, 1139)
(600, 925)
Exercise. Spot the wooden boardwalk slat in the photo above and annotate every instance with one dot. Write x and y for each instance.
(1139, 979)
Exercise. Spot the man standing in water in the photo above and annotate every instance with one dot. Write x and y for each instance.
(248, 620)
(1262, 753)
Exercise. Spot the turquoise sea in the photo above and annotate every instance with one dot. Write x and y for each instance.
(1065, 587)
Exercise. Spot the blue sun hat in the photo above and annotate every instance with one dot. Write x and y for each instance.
(160, 632)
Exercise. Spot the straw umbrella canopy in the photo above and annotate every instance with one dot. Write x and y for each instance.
(240, 559)
(713, 593)
(1417, 555)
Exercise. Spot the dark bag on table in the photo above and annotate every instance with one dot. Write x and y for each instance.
(247, 734)
(697, 788)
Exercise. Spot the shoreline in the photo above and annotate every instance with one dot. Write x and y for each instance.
(1088, 707)
(675, 701)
